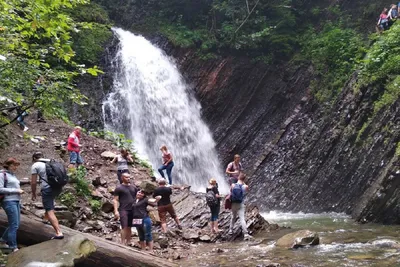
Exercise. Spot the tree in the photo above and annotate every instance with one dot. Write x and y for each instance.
(35, 41)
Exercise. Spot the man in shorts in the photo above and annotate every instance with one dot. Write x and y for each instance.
(124, 197)
(38, 170)
(74, 147)
(165, 205)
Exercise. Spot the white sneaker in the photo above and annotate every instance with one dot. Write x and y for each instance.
(26, 129)
(247, 237)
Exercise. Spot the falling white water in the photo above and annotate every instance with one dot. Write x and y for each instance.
(152, 105)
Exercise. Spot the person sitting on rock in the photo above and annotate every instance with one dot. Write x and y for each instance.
(122, 163)
(214, 204)
(141, 219)
(383, 22)
(74, 147)
(11, 190)
(124, 198)
(234, 169)
(238, 192)
(168, 163)
(38, 170)
(164, 205)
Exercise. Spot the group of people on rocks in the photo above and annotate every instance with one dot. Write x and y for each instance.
(388, 17)
(130, 203)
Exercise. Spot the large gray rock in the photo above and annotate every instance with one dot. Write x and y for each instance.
(148, 186)
(108, 155)
(298, 239)
(54, 253)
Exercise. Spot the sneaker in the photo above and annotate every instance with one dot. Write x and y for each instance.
(247, 237)
(25, 129)
(3, 245)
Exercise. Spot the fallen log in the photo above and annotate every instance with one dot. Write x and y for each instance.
(33, 231)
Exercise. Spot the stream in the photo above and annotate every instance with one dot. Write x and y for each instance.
(343, 243)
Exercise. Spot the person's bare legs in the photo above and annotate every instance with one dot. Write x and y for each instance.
(176, 219)
(142, 245)
(128, 235)
(122, 236)
(164, 227)
(150, 244)
(54, 221)
(212, 226)
(216, 229)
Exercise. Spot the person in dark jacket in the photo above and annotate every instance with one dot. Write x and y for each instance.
(213, 186)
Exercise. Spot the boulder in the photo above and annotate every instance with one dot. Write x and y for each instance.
(71, 250)
(66, 218)
(107, 207)
(298, 239)
(108, 155)
(385, 243)
(205, 238)
(190, 234)
(148, 186)
(99, 181)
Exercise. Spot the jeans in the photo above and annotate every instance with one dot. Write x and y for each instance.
(169, 170)
(12, 209)
(238, 208)
(75, 158)
(20, 119)
(144, 231)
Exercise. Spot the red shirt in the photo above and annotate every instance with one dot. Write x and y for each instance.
(73, 142)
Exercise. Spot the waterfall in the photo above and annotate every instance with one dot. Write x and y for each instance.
(151, 104)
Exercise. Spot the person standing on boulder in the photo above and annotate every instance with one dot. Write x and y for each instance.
(165, 205)
(124, 198)
(168, 163)
(213, 201)
(234, 169)
(74, 147)
(238, 191)
(122, 161)
(11, 191)
(38, 170)
(141, 219)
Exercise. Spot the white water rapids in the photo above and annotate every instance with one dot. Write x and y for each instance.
(152, 105)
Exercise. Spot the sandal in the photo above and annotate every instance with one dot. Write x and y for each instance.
(57, 237)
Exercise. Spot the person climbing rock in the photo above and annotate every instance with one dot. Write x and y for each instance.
(74, 148)
(124, 198)
(165, 205)
(38, 170)
(141, 219)
(238, 192)
(234, 169)
(213, 201)
(383, 22)
(168, 163)
(11, 191)
(122, 161)
(20, 119)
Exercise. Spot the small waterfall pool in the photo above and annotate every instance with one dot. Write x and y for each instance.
(343, 243)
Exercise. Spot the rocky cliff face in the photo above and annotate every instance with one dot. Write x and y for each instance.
(300, 156)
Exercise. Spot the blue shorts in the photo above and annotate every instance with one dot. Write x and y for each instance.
(75, 157)
(48, 196)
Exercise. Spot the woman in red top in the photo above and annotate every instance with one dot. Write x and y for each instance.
(168, 163)
(383, 22)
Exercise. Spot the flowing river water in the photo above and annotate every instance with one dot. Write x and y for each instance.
(343, 243)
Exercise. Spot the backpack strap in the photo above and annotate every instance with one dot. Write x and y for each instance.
(5, 179)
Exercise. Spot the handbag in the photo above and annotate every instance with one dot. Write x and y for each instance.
(228, 202)
(137, 222)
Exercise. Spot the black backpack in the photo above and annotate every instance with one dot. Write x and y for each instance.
(211, 199)
(56, 174)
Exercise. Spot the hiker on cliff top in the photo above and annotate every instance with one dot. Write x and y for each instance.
(38, 170)
(11, 191)
(124, 198)
(213, 201)
(165, 205)
(122, 163)
(74, 148)
(168, 163)
(383, 22)
(141, 219)
(234, 169)
(238, 192)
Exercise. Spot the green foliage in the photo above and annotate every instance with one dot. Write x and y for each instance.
(398, 149)
(335, 53)
(95, 205)
(67, 199)
(81, 184)
(35, 39)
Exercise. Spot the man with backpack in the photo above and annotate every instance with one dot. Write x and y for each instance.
(234, 169)
(49, 189)
(238, 191)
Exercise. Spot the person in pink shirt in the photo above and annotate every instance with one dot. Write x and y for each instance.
(74, 148)
(383, 22)
(168, 163)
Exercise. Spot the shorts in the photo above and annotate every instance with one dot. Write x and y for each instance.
(214, 212)
(119, 174)
(48, 196)
(162, 212)
(126, 217)
(75, 158)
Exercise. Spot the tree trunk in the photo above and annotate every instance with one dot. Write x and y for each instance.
(33, 231)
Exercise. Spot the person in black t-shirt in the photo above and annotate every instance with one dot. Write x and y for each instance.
(165, 205)
(141, 219)
(124, 197)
